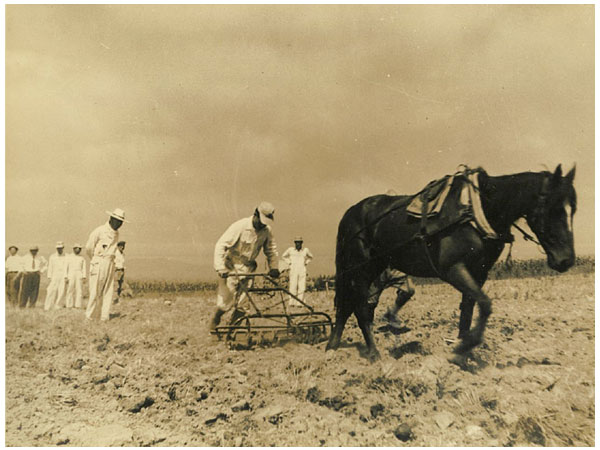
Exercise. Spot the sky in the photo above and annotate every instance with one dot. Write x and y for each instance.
(189, 116)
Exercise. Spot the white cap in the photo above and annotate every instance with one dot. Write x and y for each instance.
(266, 213)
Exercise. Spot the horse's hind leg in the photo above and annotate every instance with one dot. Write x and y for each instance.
(365, 314)
(461, 279)
(342, 314)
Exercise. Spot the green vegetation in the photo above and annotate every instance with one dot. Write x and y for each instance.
(537, 268)
(169, 287)
(501, 270)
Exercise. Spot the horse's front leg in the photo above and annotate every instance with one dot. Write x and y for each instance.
(460, 277)
(466, 315)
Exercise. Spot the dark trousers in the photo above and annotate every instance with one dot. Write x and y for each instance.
(12, 287)
(30, 287)
(119, 277)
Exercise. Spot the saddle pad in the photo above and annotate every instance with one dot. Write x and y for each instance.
(479, 220)
(434, 194)
(453, 199)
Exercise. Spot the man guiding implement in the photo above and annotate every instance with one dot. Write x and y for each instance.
(236, 252)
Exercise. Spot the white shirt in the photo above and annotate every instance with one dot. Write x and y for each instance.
(13, 263)
(102, 242)
(119, 260)
(57, 266)
(75, 265)
(31, 264)
(241, 243)
(297, 259)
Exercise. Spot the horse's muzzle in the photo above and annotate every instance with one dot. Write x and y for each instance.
(561, 265)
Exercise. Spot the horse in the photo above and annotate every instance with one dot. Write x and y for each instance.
(377, 233)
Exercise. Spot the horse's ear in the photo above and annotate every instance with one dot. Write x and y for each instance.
(557, 175)
(571, 175)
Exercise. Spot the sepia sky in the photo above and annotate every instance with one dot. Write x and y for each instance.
(188, 116)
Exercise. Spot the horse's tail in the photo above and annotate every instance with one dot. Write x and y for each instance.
(339, 266)
(346, 238)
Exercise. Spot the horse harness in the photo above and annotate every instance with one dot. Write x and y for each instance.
(537, 214)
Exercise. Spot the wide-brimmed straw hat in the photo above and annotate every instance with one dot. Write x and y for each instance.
(118, 214)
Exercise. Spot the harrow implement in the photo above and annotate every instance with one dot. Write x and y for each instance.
(274, 320)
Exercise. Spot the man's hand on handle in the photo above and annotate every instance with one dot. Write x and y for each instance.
(223, 273)
(274, 273)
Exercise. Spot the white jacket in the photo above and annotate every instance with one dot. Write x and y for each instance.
(57, 266)
(297, 260)
(241, 244)
(75, 265)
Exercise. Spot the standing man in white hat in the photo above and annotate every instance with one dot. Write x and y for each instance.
(101, 247)
(12, 267)
(119, 269)
(76, 270)
(57, 271)
(296, 259)
(32, 266)
(236, 252)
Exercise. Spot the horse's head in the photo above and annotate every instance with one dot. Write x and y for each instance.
(552, 218)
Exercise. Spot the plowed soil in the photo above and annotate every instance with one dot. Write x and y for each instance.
(153, 375)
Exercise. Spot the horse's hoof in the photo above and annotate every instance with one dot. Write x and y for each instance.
(460, 360)
(331, 346)
(374, 356)
(469, 342)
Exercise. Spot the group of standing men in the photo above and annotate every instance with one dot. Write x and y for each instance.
(67, 272)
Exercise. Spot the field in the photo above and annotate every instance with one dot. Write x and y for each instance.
(154, 376)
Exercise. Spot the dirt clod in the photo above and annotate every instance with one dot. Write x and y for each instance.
(403, 432)
(313, 394)
(376, 410)
(242, 405)
(531, 431)
(78, 364)
(145, 403)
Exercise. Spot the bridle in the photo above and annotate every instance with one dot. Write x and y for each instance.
(536, 216)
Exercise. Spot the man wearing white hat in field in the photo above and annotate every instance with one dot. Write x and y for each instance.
(57, 274)
(101, 247)
(76, 273)
(32, 267)
(12, 267)
(297, 258)
(236, 252)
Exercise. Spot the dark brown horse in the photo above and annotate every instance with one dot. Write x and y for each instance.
(377, 233)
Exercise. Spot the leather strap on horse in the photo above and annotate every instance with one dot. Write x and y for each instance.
(425, 244)
(525, 234)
